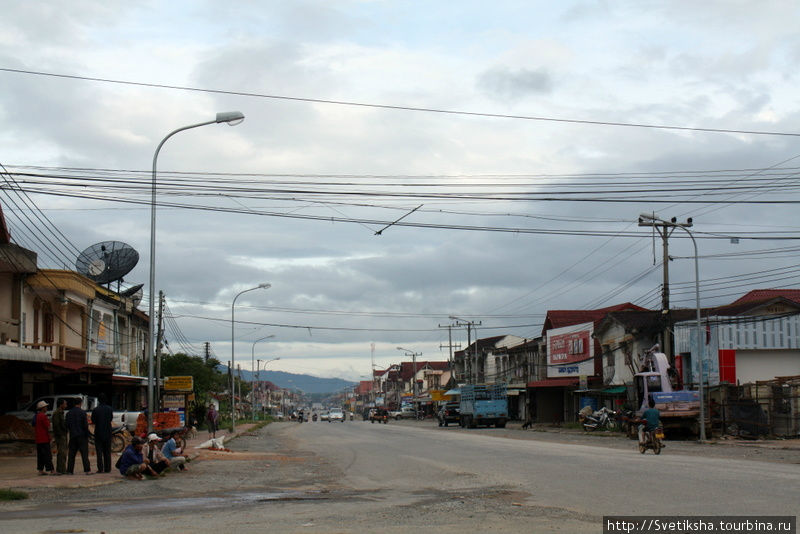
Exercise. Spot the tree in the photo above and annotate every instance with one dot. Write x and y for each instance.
(206, 374)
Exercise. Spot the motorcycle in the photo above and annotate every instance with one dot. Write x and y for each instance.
(652, 440)
(314, 418)
(120, 437)
(602, 418)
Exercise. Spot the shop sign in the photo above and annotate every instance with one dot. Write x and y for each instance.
(570, 351)
(179, 383)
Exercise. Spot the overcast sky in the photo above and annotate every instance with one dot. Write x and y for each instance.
(474, 249)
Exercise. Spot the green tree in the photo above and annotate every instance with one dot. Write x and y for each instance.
(207, 377)
(206, 374)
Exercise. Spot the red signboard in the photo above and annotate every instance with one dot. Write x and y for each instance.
(569, 348)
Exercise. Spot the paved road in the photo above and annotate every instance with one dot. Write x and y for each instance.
(361, 477)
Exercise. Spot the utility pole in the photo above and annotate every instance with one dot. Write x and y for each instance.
(207, 351)
(664, 230)
(473, 362)
(450, 345)
(159, 343)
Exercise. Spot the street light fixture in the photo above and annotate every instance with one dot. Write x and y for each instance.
(646, 219)
(252, 357)
(232, 118)
(233, 304)
(258, 372)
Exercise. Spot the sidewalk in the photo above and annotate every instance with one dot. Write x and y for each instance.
(19, 472)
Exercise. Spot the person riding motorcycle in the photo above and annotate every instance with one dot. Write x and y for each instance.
(651, 419)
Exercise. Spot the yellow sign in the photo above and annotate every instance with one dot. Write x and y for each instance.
(437, 395)
(178, 383)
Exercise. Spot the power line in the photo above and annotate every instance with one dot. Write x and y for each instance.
(397, 107)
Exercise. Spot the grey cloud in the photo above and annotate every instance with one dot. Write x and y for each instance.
(502, 83)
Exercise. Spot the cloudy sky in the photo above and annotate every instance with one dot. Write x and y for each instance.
(522, 132)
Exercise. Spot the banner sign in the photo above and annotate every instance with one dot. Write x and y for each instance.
(178, 383)
(570, 351)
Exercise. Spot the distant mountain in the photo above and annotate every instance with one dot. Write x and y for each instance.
(305, 383)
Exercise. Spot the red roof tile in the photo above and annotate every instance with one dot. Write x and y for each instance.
(766, 294)
(562, 318)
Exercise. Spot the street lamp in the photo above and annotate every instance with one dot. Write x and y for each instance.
(646, 219)
(414, 383)
(252, 356)
(258, 377)
(233, 304)
(232, 118)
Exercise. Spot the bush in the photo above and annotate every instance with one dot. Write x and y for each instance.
(12, 495)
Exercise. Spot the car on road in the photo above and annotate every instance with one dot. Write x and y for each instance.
(335, 415)
(324, 416)
(449, 413)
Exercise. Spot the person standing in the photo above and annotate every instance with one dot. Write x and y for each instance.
(212, 418)
(102, 416)
(78, 429)
(60, 435)
(44, 456)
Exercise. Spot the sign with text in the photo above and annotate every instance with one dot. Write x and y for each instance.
(178, 383)
(570, 351)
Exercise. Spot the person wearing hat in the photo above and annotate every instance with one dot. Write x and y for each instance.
(152, 454)
(132, 464)
(44, 455)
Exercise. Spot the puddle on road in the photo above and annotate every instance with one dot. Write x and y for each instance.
(184, 503)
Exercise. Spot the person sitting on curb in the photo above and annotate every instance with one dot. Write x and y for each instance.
(131, 464)
(173, 453)
(152, 453)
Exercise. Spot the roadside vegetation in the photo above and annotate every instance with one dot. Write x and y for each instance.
(12, 495)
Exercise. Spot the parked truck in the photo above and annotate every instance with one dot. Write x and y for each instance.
(483, 404)
(680, 408)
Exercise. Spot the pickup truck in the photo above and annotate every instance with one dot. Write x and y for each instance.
(27, 413)
(126, 419)
(405, 412)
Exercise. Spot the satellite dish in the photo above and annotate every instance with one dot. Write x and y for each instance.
(135, 293)
(107, 262)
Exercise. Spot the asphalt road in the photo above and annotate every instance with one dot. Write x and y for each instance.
(362, 477)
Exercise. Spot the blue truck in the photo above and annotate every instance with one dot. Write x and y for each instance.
(483, 404)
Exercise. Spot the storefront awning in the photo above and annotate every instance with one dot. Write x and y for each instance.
(615, 390)
(63, 366)
(554, 383)
(455, 391)
(22, 354)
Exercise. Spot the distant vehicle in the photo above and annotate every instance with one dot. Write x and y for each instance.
(27, 413)
(483, 404)
(406, 411)
(324, 416)
(380, 415)
(335, 415)
(450, 412)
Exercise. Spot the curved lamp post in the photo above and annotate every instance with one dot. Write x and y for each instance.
(233, 304)
(647, 220)
(258, 372)
(252, 360)
(232, 118)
